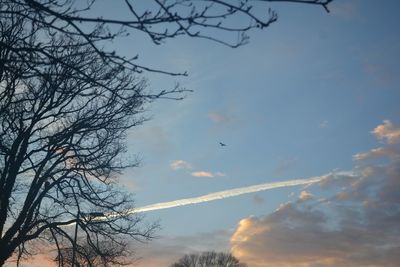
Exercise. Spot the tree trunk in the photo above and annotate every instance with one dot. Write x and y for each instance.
(5, 253)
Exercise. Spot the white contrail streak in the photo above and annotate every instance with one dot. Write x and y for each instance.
(226, 194)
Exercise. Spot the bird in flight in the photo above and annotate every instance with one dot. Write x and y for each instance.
(222, 144)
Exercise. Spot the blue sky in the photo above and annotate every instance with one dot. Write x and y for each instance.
(300, 100)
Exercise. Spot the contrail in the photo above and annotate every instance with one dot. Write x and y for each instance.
(226, 194)
(231, 193)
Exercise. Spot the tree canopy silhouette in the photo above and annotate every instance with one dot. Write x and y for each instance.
(209, 259)
(66, 102)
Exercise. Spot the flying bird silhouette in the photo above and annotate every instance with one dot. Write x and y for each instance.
(222, 144)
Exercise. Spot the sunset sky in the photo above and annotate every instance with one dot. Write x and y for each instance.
(315, 95)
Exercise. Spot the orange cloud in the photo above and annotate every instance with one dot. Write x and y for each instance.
(304, 196)
(202, 174)
(293, 237)
(356, 226)
(387, 131)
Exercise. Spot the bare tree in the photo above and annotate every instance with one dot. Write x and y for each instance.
(209, 259)
(104, 255)
(66, 103)
(62, 133)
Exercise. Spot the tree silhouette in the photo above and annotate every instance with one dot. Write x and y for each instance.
(66, 103)
(103, 255)
(209, 259)
(62, 132)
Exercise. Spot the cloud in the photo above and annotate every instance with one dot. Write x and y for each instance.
(180, 164)
(202, 174)
(357, 225)
(378, 153)
(387, 131)
(218, 117)
(298, 235)
(304, 196)
(207, 174)
(288, 237)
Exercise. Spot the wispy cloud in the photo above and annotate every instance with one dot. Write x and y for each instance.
(180, 164)
(377, 153)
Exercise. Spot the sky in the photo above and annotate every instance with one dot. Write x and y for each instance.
(315, 95)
